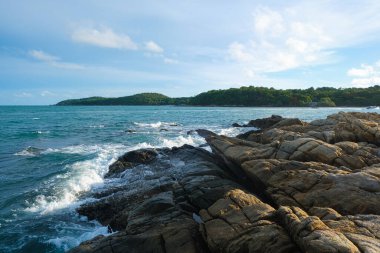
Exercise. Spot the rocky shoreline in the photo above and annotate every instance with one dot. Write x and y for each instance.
(292, 186)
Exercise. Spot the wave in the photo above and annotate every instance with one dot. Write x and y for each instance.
(76, 149)
(97, 126)
(156, 124)
(30, 151)
(69, 241)
(181, 140)
(231, 131)
(80, 177)
(42, 132)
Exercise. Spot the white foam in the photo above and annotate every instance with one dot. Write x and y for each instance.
(76, 149)
(231, 131)
(97, 126)
(180, 141)
(155, 124)
(42, 132)
(81, 176)
(67, 242)
(30, 151)
(36, 118)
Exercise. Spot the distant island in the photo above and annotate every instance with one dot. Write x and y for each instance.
(249, 96)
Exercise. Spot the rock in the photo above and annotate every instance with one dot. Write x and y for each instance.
(130, 159)
(190, 132)
(236, 125)
(130, 131)
(312, 235)
(205, 133)
(241, 222)
(154, 211)
(289, 187)
(247, 134)
(353, 127)
(163, 130)
(266, 122)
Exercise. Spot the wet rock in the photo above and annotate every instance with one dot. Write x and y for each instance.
(130, 159)
(236, 125)
(289, 187)
(205, 133)
(130, 131)
(154, 211)
(190, 132)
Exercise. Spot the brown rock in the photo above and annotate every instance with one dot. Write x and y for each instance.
(312, 235)
(241, 222)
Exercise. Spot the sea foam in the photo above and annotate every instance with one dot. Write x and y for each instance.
(80, 177)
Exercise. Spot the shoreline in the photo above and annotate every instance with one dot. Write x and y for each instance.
(288, 169)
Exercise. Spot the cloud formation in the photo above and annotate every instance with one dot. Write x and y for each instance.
(365, 75)
(282, 41)
(103, 37)
(42, 56)
(297, 36)
(53, 60)
(170, 61)
(153, 47)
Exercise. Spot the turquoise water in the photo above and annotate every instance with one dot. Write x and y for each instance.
(50, 157)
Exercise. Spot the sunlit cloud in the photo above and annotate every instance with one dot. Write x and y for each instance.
(365, 75)
(103, 37)
(153, 47)
(42, 56)
(53, 60)
(47, 93)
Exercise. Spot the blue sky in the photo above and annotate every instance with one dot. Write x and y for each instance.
(54, 50)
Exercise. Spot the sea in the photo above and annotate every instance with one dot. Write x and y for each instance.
(52, 157)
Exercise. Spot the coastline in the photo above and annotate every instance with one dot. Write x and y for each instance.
(273, 189)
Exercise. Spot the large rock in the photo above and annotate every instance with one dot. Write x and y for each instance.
(289, 187)
(240, 222)
(353, 126)
(130, 159)
(155, 203)
(312, 235)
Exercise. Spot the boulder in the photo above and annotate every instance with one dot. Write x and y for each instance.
(130, 159)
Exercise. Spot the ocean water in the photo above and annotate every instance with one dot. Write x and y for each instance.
(51, 157)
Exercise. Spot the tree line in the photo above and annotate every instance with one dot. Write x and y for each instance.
(250, 96)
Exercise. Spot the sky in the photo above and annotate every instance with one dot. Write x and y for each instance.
(53, 50)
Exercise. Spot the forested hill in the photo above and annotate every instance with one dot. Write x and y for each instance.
(138, 99)
(249, 96)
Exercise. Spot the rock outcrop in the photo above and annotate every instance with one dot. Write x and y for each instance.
(291, 186)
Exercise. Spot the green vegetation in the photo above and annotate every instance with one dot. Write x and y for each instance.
(138, 99)
(249, 96)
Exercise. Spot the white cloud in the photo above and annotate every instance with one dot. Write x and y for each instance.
(239, 52)
(281, 42)
(153, 47)
(42, 56)
(47, 93)
(308, 33)
(365, 76)
(103, 37)
(53, 60)
(363, 71)
(170, 61)
(23, 95)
